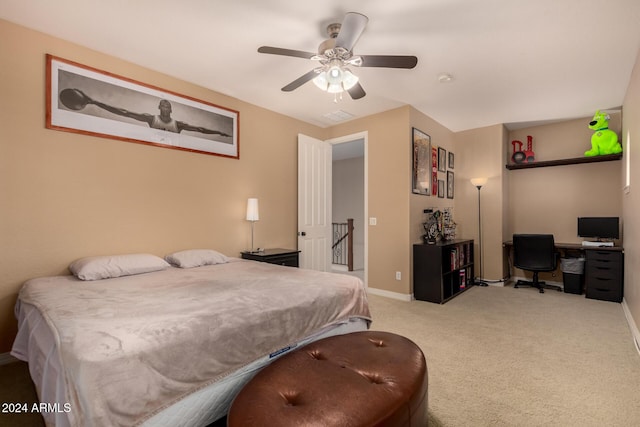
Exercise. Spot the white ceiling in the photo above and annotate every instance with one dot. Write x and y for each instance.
(512, 61)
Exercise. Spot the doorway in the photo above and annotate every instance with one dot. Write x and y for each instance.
(315, 200)
(349, 196)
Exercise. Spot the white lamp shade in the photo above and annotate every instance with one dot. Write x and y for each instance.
(252, 210)
(335, 80)
(478, 182)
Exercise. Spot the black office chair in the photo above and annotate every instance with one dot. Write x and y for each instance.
(536, 253)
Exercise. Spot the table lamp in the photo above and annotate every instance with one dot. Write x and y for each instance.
(252, 215)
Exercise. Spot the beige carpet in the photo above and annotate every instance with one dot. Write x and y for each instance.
(499, 356)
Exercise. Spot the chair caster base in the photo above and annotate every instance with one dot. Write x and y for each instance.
(541, 286)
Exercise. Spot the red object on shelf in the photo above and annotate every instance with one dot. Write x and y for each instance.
(519, 156)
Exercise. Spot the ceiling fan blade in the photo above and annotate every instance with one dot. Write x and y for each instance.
(286, 52)
(300, 81)
(350, 30)
(388, 61)
(357, 91)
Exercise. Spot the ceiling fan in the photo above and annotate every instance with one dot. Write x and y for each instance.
(336, 54)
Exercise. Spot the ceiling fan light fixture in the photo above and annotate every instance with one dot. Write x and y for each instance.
(349, 80)
(335, 75)
(335, 80)
(321, 81)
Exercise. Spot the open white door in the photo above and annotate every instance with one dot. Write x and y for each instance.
(314, 203)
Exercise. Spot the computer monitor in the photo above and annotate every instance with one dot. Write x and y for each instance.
(599, 227)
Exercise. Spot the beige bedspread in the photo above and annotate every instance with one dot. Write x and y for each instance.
(134, 345)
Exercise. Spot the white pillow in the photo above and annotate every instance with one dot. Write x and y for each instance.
(195, 258)
(105, 267)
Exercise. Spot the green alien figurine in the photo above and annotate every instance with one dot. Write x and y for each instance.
(603, 141)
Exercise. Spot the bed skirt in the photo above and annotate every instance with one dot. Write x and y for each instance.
(197, 409)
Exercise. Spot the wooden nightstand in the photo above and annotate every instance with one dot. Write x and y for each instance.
(288, 257)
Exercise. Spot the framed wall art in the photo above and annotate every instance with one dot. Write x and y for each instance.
(450, 185)
(442, 159)
(89, 101)
(421, 144)
(434, 171)
(441, 188)
(451, 160)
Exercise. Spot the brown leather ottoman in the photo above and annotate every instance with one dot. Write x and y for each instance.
(359, 379)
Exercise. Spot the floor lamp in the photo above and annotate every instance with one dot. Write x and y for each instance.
(478, 183)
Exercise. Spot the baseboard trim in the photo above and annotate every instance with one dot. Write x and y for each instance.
(500, 283)
(635, 333)
(6, 358)
(390, 294)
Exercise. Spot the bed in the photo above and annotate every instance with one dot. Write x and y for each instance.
(173, 345)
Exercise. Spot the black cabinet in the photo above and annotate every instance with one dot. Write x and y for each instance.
(288, 257)
(442, 270)
(604, 275)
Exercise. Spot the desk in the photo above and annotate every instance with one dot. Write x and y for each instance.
(603, 270)
(575, 246)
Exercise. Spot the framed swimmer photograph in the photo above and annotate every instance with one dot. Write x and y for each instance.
(89, 101)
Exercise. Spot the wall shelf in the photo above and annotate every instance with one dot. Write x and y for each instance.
(562, 162)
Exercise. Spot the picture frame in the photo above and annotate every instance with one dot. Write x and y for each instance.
(89, 101)
(451, 160)
(434, 171)
(450, 184)
(442, 159)
(421, 162)
(441, 188)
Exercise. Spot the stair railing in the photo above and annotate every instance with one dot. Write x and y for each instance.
(342, 248)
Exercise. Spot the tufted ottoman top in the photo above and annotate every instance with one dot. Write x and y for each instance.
(359, 379)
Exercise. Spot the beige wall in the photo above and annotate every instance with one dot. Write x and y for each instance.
(440, 137)
(398, 212)
(66, 195)
(549, 200)
(539, 200)
(631, 200)
(480, 155)
(389, 186)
